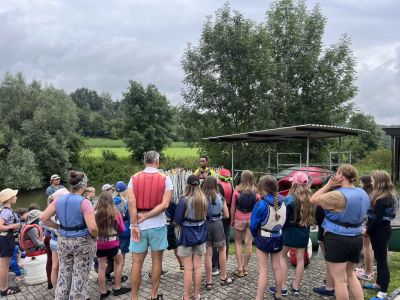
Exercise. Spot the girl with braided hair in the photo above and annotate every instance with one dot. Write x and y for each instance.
(267, 219)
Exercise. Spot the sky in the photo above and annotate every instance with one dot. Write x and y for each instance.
(103, 44)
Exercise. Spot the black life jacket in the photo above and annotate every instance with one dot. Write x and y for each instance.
(246, 202)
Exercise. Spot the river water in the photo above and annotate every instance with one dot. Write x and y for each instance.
(26, 198)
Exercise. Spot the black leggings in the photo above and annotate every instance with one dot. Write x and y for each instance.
(379, 242)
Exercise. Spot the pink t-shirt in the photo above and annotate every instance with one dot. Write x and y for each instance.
(239, 215)
(102, 245)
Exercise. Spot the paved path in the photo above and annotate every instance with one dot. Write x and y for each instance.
(172, 283)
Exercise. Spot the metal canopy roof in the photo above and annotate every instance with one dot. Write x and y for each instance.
(284, 134)
(392, 131)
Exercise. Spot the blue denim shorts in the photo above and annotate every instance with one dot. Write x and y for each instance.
(155, 238)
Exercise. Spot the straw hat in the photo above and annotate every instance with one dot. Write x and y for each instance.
(7, 194)
(33, 215)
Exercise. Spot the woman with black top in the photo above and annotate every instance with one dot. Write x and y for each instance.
(384, 204)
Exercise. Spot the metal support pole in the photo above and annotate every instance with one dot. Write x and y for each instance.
(233, 170)
(269, 160)
(308, 155)
(340, 149)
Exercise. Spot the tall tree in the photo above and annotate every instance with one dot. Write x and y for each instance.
(244, 76)
(41, 123)
(148, 119)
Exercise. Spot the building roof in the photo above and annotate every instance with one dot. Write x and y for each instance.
(392, 131)
(284, 134)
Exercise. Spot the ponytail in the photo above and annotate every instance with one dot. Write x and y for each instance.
(276, 202)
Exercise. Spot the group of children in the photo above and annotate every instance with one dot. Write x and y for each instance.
(197, 227)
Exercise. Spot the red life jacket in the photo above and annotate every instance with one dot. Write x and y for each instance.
(28, 244)
(226, 190)
(293, 258)
(149, 189)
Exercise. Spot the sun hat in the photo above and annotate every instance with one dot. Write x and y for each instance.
(299, 178)
(33, 215)
(193, 180)
(107, 187)
(120, 186)
(7, 194)
(54, 177)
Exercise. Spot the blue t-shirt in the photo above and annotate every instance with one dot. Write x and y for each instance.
(51, 189)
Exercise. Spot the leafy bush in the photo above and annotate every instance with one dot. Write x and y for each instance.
(377, 160)
(109, 155)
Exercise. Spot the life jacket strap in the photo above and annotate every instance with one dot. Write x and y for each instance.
(74, 228)
(344, 224)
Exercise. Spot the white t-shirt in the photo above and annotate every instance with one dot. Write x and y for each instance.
(159, 220)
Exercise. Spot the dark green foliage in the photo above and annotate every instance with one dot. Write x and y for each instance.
(148, 119)
(40, 123)
(244, 76)
(99, 115)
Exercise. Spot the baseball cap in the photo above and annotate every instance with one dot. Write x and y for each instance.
(299, 178)
(107, 187)
(54, 177)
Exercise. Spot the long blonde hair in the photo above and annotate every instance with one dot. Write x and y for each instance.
(247, 183)
(268, 185)
(106, 213)
(382, 187)
(198, 200)
(303, 209)
(210, 188)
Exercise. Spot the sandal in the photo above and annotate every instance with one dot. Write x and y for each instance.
(10, 291)
(371, 286)
(226, 281)
(159, 297)
(208, 286)
(245, 272)
(238, 273)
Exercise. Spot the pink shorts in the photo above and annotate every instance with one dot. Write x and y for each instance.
(241, 225)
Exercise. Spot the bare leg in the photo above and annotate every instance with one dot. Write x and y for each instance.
(222, 261)
(197, 275)
(178, 258)
(208, 263)
(101, 274)
(276, 261)
(118, 265)
(262, 259)
(238, 248)
(137, 264)
(329, 285)
(354, 285)
(368, 255)
(4, 266)
(54, 268)
(299, 267)
(187, 276)
(156, 267)
(248, 241)
(284, 267)
(339, 274)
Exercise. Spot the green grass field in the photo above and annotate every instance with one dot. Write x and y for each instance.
(95, 147)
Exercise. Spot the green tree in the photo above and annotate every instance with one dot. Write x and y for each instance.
(20, 169)
(148, 119)
(42, 120)
(366, 142)
(244, 76)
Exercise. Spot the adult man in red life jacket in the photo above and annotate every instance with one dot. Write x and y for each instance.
(149, 194)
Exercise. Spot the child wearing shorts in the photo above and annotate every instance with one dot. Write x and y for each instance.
(243, 201)
(191, 214)
(217, 209)
(110, 224)
(267, 219)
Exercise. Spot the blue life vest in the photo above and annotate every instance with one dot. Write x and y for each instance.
(245, 203)
(214, 212)
(190, 219)
(68, 211)
(123, 209)
(349, 221)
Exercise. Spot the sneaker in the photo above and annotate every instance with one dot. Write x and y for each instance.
(163, 272)
(323, 291)
(181, 268)
(104, 296)
(365, 277)
(215, 272)
(272, 290)
(295, 291)
(121, 291)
